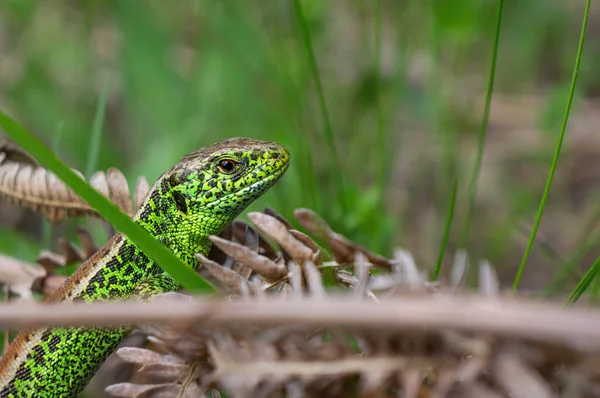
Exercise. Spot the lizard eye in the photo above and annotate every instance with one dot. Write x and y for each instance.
(227, 165)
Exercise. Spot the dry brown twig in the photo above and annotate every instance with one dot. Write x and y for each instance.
(472, 313)
(290, 336)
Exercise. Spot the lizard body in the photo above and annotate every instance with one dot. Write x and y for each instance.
(196, 198)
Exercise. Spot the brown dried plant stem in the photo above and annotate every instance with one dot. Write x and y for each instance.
(477, 314)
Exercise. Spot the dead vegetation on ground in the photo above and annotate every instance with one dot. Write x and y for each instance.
(311, 314)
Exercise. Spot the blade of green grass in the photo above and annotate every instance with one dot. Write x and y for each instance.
(95, 138)
(309, 176)
(566, 269)
(335, 163)
(587, 240)
(584, 283)
(446, 236)
(561, 136)
(483, 130)
(185, 275)
(594, 291)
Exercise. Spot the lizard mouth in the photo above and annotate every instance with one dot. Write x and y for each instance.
(270, 173)
(274, 172)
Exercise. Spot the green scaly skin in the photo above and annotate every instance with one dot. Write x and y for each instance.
(196, 198)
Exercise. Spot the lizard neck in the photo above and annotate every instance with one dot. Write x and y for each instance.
(184, 233)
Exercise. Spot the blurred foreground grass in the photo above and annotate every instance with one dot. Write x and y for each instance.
(404, 95)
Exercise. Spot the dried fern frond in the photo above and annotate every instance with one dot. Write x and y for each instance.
(366, 360)
(20, 276)
(52, 261)
(24, 182)
(343, 249)
(246, 358)
(292, 271)
(12, 152)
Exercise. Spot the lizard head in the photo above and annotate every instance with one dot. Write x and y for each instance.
(209, 188)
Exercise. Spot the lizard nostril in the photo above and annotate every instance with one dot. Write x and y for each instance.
(275, 155)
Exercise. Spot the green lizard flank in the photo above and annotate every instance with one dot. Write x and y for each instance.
(196, 198)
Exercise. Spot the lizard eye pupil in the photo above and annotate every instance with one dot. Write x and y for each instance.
(227, 165)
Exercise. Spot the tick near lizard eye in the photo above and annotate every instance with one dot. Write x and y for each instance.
(227, 165)
(174, 180)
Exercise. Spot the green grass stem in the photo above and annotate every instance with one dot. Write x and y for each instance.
(561, 136)
(96, 137)
(584, 283)
(483, 130)
(446, 236)
(334, 159)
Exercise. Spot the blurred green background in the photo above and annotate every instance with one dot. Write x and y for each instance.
(403, 81)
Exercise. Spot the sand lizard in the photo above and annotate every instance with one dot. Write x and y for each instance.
(196, 198)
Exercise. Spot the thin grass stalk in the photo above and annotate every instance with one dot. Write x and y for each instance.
(561, 136)
(483, 130)
(587, 240)
(594, 291)
(334, 159)
(263, 77)
(584, 283)
(565, 269)
(447, 135)
(97, 127)
(446, 236)
(310, 182)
